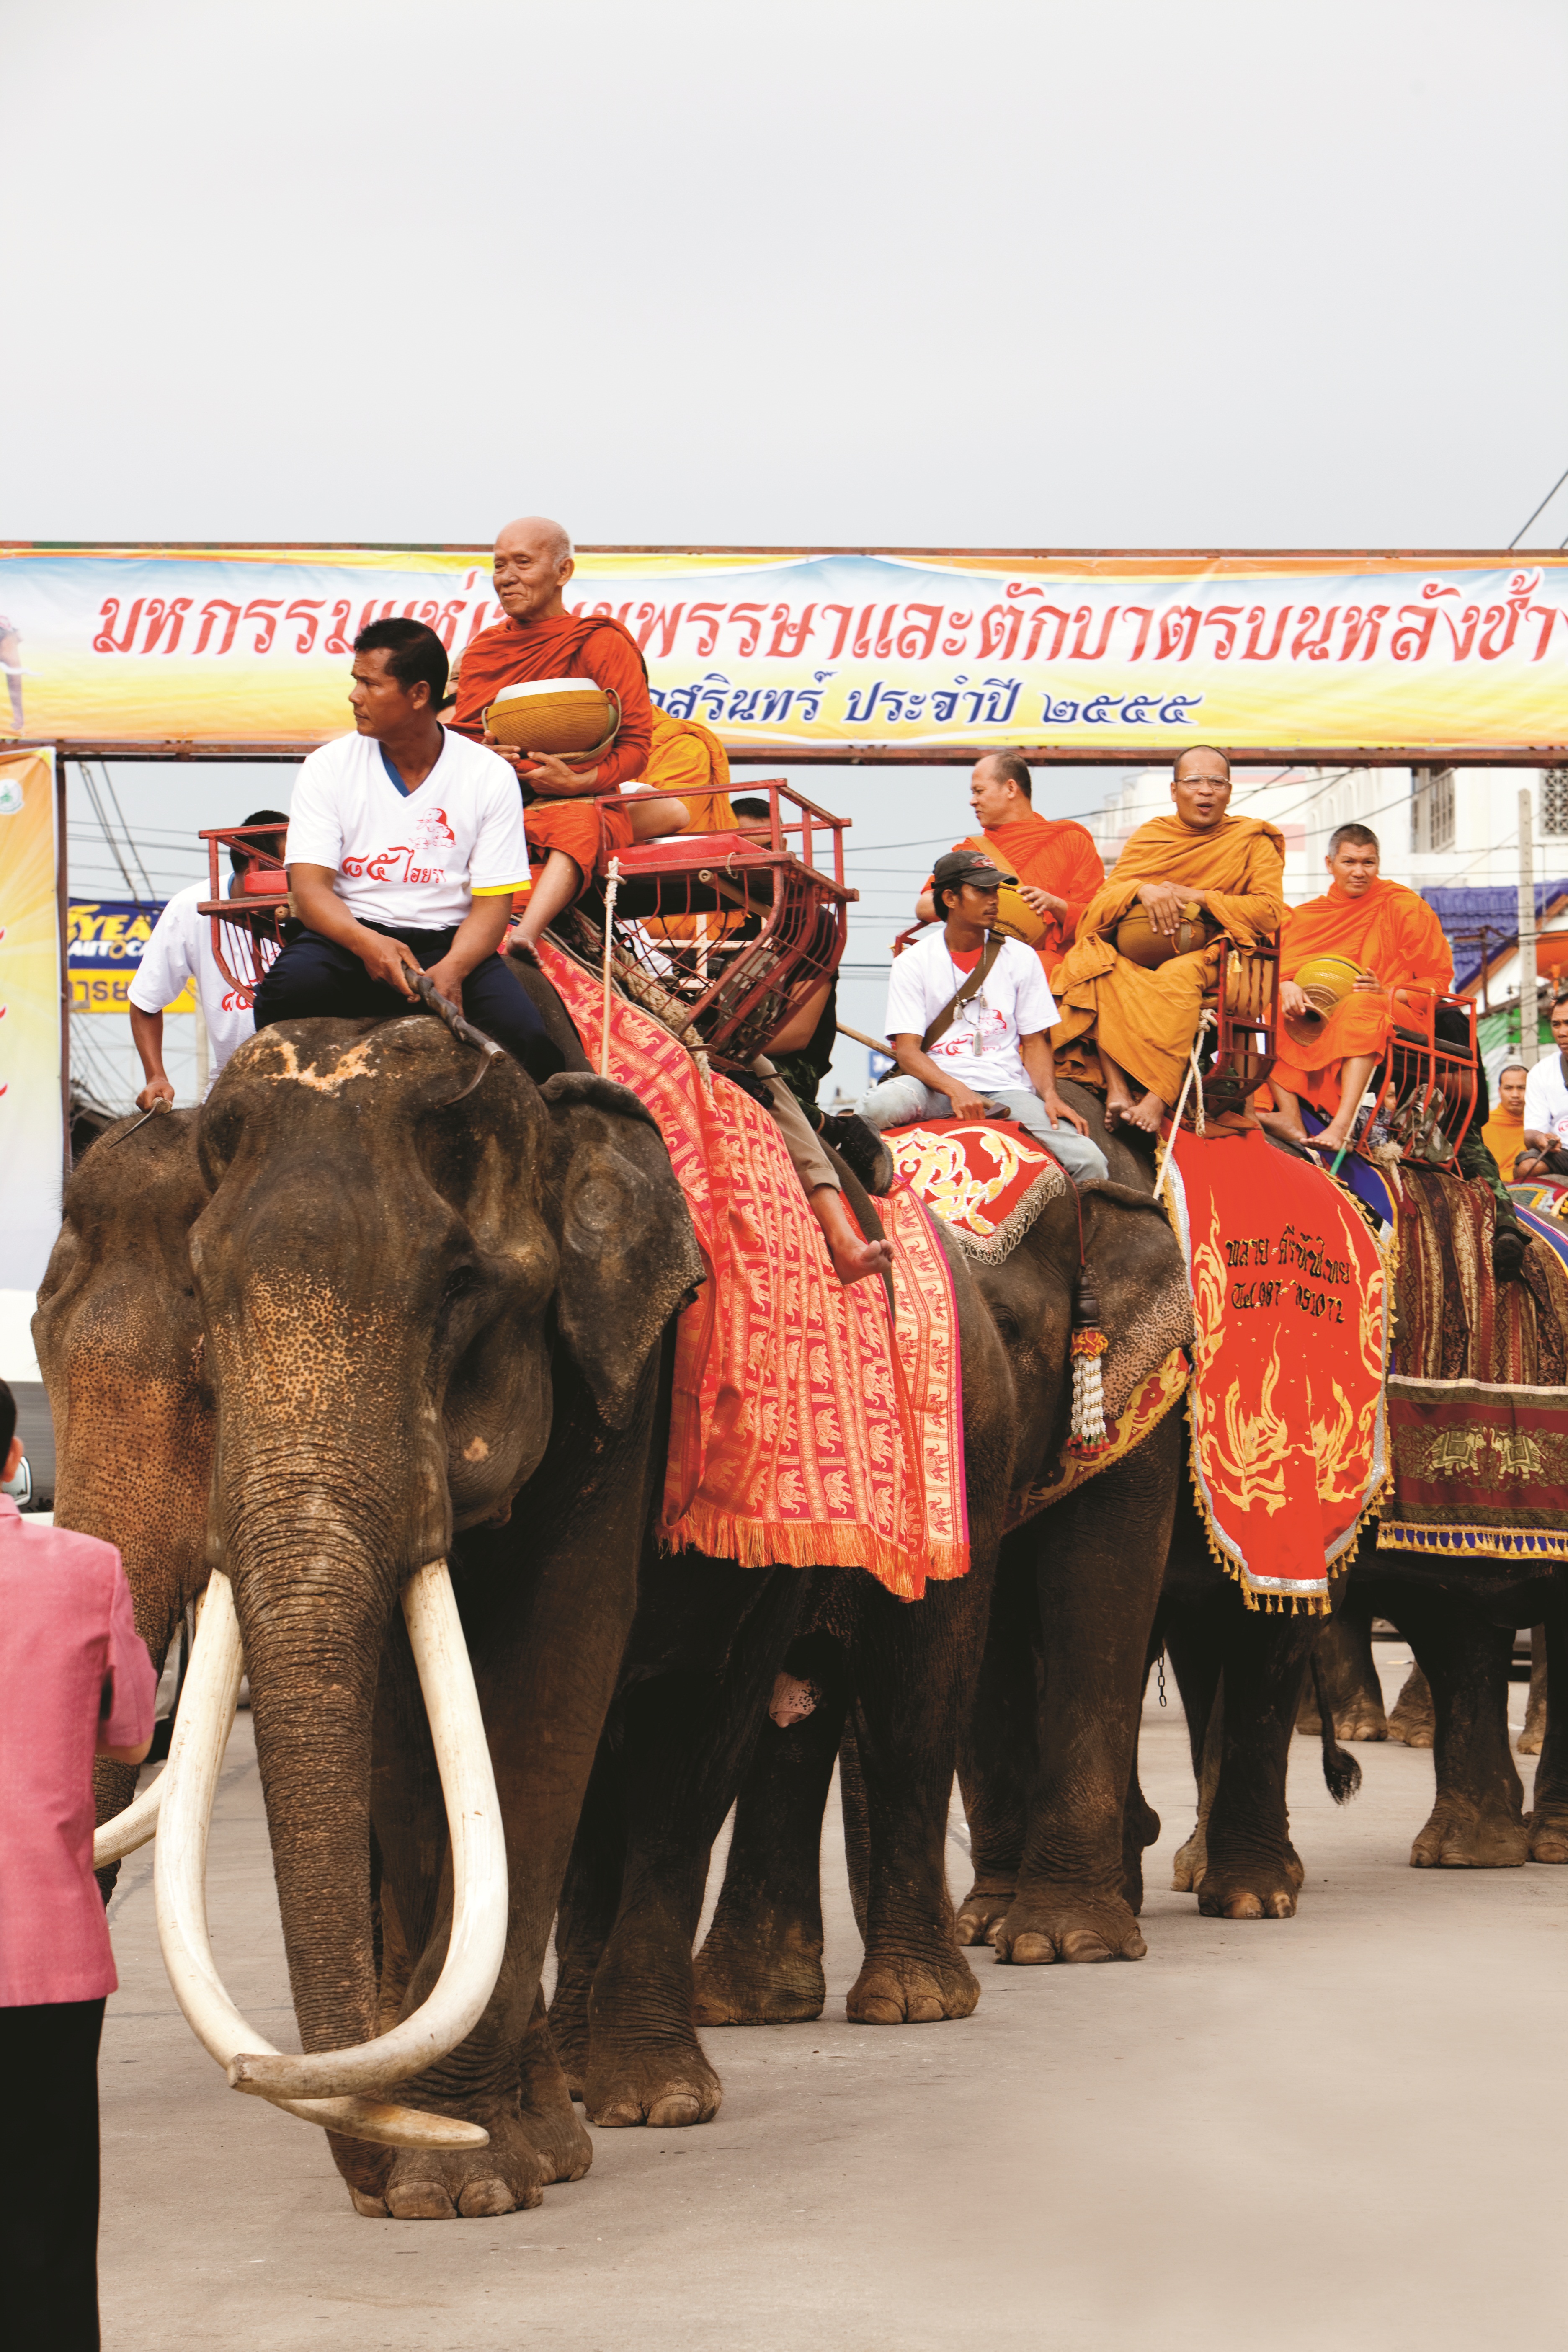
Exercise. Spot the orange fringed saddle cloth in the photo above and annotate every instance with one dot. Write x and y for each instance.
(808, 1428)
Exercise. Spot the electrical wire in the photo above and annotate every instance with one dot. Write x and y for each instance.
(1540, 509)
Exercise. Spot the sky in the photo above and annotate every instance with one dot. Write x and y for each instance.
(1019, 274)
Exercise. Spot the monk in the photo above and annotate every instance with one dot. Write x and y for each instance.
(687, 760)
(1399, 942)
(1142, 1022)
(539, 638)
(1503, 1133)
(1058, 866)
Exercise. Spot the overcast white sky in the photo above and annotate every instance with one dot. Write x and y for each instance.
(1010, 273)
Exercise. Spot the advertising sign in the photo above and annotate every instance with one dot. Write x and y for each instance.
(840, 654)
(32, 1117)
(105, 940)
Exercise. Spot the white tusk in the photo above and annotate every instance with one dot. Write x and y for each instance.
(189, 1784)
(127, 1831)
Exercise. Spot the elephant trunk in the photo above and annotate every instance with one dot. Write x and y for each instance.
(312, 1651)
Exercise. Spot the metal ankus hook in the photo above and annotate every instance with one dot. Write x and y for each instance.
(430, 996)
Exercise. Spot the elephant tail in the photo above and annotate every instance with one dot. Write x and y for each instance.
(1342, 1771)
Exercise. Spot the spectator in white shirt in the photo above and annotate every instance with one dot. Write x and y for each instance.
(405, 848)
(181, 948)
(993, 1058)
(1545, 1149)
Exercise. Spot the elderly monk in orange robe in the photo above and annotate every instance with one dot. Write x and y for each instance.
(1397, 939)
(539, 638)
(1058, 866)
(1144, 1023)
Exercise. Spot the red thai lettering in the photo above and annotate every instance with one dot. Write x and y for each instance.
(958, 622)
(160, 616)
(1359, 625)
(1504, 616)
(104, 641)
(1254, 621)
(917, 639)
(1146, 617)
(1303, 642)
(1083, 616)
(862, 645)
(665, 619)
(999, 630)
(1464, 637)
(1223, 618)
(1178, 627)
(209, 614)
(307, 609)
(1037, 620)
(846, 614)
(337, 642)
(748, 619)
(1411, 640)
(264, 610)
(1550, 613)
(445, 622)
(708, 617)
(789, 636)
(478, 623)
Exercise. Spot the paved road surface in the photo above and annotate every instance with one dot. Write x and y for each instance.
(1337, 2130)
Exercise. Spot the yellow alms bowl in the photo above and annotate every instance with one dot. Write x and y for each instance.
(567, 716)
(1015, 919)
(1325, 981)
(1141, 943)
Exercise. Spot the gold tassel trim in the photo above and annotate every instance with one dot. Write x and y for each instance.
(772, 1543)
(1506, 1543)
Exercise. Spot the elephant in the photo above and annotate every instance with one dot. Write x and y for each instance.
(897, 1701)
(429, 1303)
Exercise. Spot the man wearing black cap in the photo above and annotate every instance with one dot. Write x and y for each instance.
(969, 1017)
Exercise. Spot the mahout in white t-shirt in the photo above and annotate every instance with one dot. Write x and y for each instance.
(181, 948)
(409, 861)
(980, 1046)
(1546, 1100)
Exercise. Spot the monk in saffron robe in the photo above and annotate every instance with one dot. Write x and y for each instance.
(1058, 866)
(539, 638)
(1503, 1133)
(689, 760)
(1143, 1021)
(1398, 940)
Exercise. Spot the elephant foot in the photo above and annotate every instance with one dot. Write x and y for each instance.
(1066, 1926)
(1533, 1738)
(1363, 1719)
(755, 1983)
(1548, 1834)
(526, 2154)
(1413, 1719)
(1260, 1888)
(1191, 1860)
(986, 1902)
(668, 2085)
(905, 1991)
(1460, 1837)
(569, 2030)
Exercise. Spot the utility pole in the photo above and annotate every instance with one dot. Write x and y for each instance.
(1528, 1015)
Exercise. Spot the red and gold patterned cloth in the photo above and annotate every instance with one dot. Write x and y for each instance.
(807, 1429)
(1290, 1442)
(986, 1178)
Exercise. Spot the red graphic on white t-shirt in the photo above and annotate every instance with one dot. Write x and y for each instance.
(431, 832)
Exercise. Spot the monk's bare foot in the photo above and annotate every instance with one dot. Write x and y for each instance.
(1147, 1114)
(1281, 1123)
(1333, 1139)
(854, 1262)
(1117, 1107)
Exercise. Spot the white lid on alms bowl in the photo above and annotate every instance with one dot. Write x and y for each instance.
(535, 685)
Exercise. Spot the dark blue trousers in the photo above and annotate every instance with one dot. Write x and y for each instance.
(316, 978)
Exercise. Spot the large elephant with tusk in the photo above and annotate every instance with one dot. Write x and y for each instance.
(430, 1317)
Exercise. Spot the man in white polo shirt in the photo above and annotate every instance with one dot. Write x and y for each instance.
(971, 1028)
(181, 948)
(404, 846)
(1545, 1152)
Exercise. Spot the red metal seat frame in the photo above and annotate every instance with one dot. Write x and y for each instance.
(247, 928)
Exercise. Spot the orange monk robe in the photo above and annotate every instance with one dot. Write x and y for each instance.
(1147, 1021)
(691, 763)
(1504, 1139)
(569, 645)
(1060, 859)
(1389, 930)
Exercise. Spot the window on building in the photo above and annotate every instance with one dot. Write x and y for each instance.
(1554, 800)
(1432, 809)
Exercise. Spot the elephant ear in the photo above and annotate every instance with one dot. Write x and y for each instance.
(629, 1253)
(1140, 1282)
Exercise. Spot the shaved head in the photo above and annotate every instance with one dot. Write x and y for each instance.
(533, 561)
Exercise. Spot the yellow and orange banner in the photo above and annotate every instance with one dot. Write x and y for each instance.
(32, 1110)
(879, 655)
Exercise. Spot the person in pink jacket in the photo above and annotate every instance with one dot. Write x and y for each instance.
(76, 1681)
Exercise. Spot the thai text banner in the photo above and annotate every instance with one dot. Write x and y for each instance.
(31, 1113)
(1119, 654)
(105, 941)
